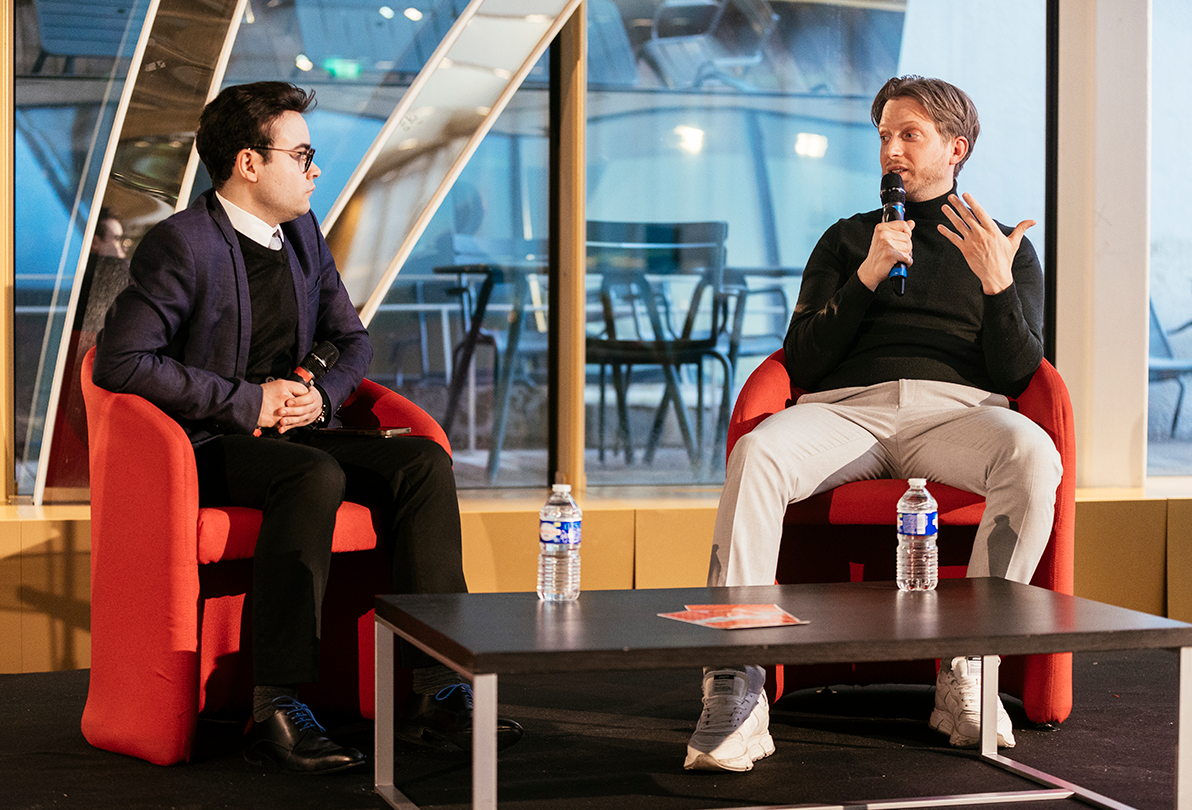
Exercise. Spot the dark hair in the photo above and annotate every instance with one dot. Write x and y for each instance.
(106, 214)
(948, 107)
(240, 117)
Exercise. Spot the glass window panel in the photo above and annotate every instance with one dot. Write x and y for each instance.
(769, 134)
(1169, 431)
(495, 212)
(757, 115)
(69, 76)
(360, 62)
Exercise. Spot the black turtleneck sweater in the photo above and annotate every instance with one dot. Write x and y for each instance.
(944, 328)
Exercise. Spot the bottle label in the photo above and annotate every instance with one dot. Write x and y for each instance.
(919, 524)
(559, 531)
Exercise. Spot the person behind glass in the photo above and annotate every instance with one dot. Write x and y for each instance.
(108, 239)
(911, 386)
(225, 299)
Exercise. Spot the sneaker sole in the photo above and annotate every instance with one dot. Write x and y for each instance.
(758, 748)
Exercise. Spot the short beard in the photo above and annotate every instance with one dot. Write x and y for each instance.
(917, 195)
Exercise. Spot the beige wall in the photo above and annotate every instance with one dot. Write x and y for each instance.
(45, 588)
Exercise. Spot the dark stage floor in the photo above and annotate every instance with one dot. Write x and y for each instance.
(616, 740)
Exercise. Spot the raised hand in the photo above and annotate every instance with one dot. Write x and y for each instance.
(988, 251)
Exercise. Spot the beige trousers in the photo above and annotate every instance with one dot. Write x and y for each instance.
(945, 432)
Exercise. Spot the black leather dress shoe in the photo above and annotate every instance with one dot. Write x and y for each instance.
(293, 740)
(446, 717)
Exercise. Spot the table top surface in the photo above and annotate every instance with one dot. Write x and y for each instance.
(509, 633)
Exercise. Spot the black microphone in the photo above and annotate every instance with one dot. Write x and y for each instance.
(894, 208)
(315, 364)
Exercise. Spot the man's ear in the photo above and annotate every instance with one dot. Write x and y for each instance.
(960, 147)
(246, 166)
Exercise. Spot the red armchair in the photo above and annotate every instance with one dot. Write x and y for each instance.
(169, 619)
(846, 534)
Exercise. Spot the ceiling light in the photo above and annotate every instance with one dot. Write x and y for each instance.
(810, 145)
(691, 139)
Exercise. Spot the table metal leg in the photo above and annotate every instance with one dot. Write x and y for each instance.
(1183, 760)
(484, 742)
(989, 665)
(988, 750)
(383, 740)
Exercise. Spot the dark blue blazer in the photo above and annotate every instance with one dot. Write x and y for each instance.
(179, 334)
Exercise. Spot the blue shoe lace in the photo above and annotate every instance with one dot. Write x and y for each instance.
(299, 714)
(446, 691)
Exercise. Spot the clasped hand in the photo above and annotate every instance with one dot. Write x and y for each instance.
(287, 404)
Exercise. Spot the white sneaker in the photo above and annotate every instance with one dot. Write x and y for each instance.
(958, 705)
(734, 728)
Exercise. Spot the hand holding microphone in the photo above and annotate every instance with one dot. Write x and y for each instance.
(283, 400)
(894, 209)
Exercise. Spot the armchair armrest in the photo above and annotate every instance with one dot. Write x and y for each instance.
(374, 405)
(1047, 403)
(766, 391)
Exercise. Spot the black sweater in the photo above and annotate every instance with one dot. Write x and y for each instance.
(944, 328)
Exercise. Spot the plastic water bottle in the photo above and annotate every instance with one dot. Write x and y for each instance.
(918, 554)
(559, 534)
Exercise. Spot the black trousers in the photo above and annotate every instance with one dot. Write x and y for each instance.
(299, 481)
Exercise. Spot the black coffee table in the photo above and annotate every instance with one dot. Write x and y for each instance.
(485, 635)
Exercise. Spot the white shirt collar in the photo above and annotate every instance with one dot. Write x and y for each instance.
(252, 226)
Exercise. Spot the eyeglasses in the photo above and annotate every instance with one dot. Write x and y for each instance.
(299, 154)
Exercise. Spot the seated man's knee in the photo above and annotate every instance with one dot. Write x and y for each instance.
(1035, 455)
(321, 478)
(751, 447)
(423, 463)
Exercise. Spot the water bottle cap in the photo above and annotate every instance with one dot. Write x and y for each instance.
(917, 482)
(560, 487)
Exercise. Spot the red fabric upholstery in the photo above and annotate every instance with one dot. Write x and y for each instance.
(845, 534)
(169, 624)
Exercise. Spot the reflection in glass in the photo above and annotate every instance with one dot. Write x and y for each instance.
(736, 120)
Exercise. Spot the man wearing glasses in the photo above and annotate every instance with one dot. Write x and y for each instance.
(225, 300)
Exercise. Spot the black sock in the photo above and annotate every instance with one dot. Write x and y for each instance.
(262, 700)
